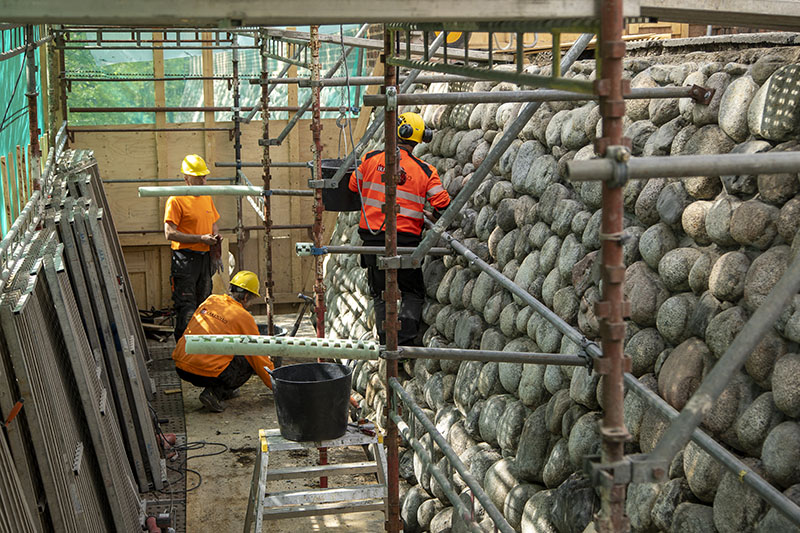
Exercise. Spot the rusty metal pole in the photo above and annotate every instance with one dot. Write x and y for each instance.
(391, 293)
(237, 150)
(33, 116)
(316, 131)
(267, 178)
(612, 309)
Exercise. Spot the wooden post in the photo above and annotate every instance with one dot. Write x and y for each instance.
(22, 179)
(208, 100)
(162, 150)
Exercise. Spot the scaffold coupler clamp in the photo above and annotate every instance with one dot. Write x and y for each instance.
(619, 156)
(305, 249)
(634, 468)
(390, 263)
(391, 98)
(389, 355)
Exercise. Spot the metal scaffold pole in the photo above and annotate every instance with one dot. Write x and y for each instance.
(391, 294)
(237, 150)
(33, 117)
(611, 310)
(268, 283)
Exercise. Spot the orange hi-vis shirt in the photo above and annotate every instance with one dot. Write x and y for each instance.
(418, 182)
(219, 315)
(195, 215)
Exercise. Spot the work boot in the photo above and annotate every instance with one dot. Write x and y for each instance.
(211, 401)
(227, 394)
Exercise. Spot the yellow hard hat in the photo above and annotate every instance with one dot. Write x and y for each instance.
(246, 280)
(194, 165)
(411, 127)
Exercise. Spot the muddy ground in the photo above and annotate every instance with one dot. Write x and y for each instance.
(220, 502)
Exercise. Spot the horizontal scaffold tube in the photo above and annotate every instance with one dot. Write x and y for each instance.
(492, 356)
(253, 164)
(218, 190)
(427, 462)
(306, 248)
(684, 166)
(303, 347)
(500, 97)
(499, 520)
(748, 476)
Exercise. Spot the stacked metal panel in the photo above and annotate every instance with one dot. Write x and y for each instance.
(15, 513)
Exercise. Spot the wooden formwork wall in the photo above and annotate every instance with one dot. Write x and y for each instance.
(148, 155)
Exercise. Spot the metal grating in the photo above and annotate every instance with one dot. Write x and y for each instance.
(15, 514)
(59, 435)
(100, 414)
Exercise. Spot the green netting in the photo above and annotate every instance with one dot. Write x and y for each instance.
(108, 63)
(14, 124)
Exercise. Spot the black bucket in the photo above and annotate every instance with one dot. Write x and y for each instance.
(312, 400)
(341, 198)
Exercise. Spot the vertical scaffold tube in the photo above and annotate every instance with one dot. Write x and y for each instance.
(391, 294)
(237, 149)
(267, 178)
(610, 309)
(33, 116)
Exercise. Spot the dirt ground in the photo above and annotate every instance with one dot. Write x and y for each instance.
(220, 502)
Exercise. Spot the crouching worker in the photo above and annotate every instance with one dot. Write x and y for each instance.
(222, 375)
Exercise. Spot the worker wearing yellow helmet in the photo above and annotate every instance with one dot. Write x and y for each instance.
(223, 314)
(190, 224)
(418, 184)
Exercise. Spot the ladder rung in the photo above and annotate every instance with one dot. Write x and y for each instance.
(324, 509)
(351, 438)
(315, 496)
(365, 467)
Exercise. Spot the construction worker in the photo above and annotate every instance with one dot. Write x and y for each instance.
(190, 223)
(417, 183)
(222, 375)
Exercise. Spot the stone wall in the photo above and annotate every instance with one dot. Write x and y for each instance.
(701, 255)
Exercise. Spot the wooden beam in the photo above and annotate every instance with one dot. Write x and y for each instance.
(162, 146)
(21, 179)
(208, 100)
(295, 13)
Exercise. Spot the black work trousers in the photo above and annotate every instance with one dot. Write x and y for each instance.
(234, 376)
(191, 285)
(412, 291)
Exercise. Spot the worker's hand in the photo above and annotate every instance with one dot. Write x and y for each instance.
(209, 239)
(216, 266)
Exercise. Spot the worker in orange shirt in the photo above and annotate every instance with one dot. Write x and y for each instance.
(222, 375)
(418, 183)
(190, 223)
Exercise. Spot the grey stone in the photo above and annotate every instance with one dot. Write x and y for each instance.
(427, 511)
(681, 139)
(458, 437)
(645, 208)
(733, 107)
(528, 152)
(693, 77)
(662, 110)
(660, 142)
(708, 114)
(674, 317)
(656, 241)
(639, 109)
(723, 328)
(472, 420)
(466, 146)
(706, 140)
(786, 384)
(592, 194)
(693, 518)
(583, 387)
(731, 403)
(727, 278)
(573, 129)
(532, 391)
(515, 501)
(701, 271)
(466, 392)
(500, 479)
(718, 219)
(534, 446)
(781, 454)
(558, 466)
(574, 503)
(553, 130)
(442, 522)
(774, 520)
(490, 413)
(755, 423)
(509, 427)
(641, 498)
(483, 289)
(495, 305)
(646, 292)
(552, 283)
(643, 349)
(789, 219)
(554, 379)
(703, 472)
(674, 267)
(500, 190)
(584, 439)
(411, 503)
(672, 200)
(761, 361)
(549, 200)
(564, 213)
(683, 371)
(556, 408)
(764, 66)
(488, 380)
(635, 406)
(693, 221)
(639, 132)
(537, 513)
(673, 493)
(591, 234)
(778, 188)
(566, 304)
(505, 214)
(706, 308)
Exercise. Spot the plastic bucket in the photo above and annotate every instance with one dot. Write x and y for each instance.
(341, 198)
(312, 400)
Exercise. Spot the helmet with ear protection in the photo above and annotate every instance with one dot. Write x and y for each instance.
(411, 127)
